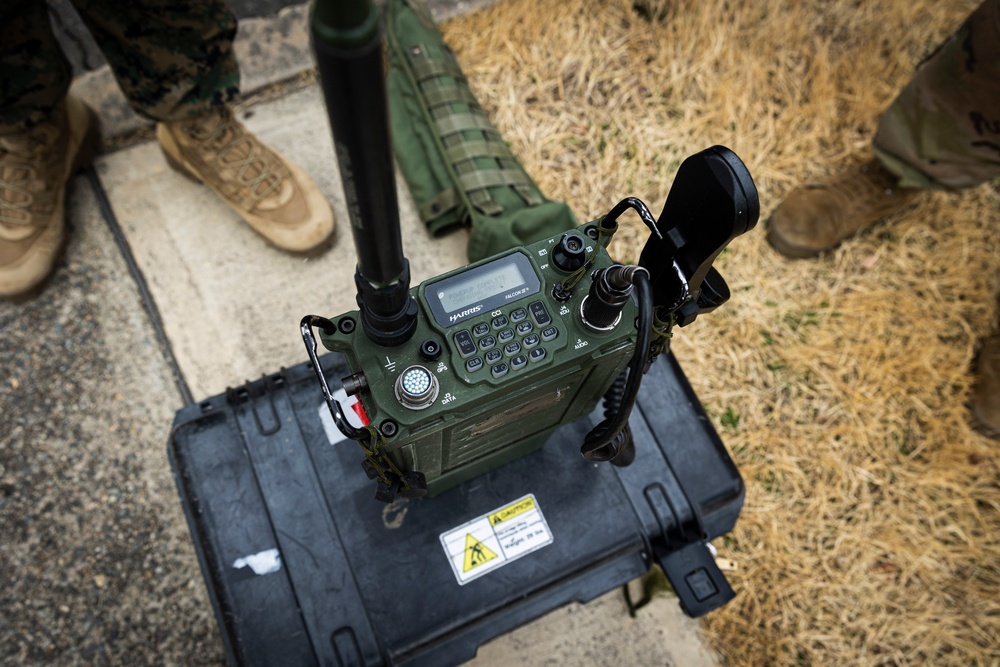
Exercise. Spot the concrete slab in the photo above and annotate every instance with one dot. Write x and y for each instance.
(96, 566)
(601, 633)
(231, 304)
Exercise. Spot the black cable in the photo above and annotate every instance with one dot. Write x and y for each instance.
(612, 437)
(140, 280)
(639, 207)
(607, 225)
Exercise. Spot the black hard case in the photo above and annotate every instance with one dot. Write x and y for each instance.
(256, 471)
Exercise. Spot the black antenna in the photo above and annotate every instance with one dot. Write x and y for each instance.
(347, 39)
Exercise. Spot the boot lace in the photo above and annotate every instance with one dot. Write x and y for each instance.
(870, 187)
(17, 173)
(230, 139)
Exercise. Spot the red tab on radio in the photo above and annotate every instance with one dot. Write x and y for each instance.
(360, 412)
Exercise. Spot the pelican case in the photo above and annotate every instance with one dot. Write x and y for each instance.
(304, 567)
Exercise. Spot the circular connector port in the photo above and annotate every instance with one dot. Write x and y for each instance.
(416, 388)
(430, 350)
(571, 252)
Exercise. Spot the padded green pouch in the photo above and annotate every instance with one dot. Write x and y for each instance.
(459, 169)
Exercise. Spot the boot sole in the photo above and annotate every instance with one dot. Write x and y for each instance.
(83, 158)
(982, 426)
(792, 250)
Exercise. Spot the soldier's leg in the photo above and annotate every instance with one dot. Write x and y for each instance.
(173, 58)
(45, 137)
(34, 73)
(943, 131)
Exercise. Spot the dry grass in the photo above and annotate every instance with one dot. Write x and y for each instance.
(871, 530)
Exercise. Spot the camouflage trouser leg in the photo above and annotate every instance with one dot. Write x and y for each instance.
(943, 131)
(172, 58)
(34, 73)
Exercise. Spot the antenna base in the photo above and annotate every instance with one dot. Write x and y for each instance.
(389, 313)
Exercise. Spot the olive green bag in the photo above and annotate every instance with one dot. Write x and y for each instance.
(459, 169)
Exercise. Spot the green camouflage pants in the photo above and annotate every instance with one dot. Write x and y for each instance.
(943, 131)
(172, 58)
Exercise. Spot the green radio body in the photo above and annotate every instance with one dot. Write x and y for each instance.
(498, 361)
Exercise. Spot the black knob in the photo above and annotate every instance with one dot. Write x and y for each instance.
(571, 252)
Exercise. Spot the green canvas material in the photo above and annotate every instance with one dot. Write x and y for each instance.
(459, 169)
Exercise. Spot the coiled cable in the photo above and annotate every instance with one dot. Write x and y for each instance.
(611, 440)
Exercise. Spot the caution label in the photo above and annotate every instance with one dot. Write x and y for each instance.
(495, 539)
(508, 513)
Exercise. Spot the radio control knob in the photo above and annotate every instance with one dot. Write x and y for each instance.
(416, 388)
(571, 252)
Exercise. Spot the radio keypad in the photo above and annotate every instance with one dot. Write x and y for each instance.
(523, 337)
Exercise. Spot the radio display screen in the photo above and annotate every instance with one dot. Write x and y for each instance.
(482, 288)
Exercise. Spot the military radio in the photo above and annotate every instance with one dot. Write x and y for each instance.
(478, 366)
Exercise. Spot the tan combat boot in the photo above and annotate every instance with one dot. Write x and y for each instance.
(35, 169)
(985, 399)
(817, 217)
(276, 198)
